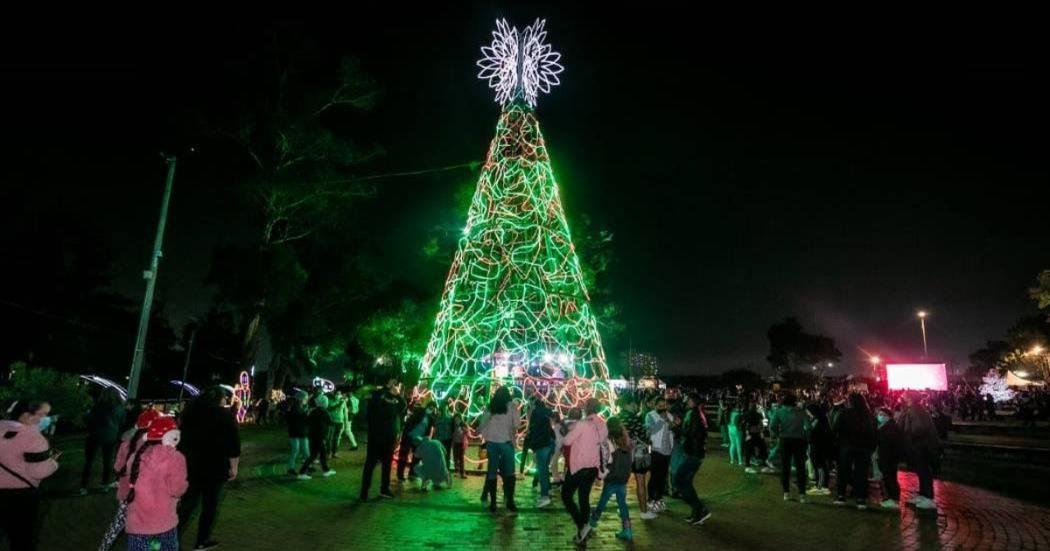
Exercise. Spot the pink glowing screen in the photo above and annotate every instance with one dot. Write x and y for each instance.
(916, 377)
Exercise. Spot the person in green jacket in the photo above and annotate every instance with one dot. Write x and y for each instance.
(337, 410)
(789, 423)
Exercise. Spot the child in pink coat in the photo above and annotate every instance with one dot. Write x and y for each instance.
(156, 480)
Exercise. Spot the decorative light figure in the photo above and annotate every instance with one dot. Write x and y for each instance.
(519, 64)
(242, 396)
(325, 385)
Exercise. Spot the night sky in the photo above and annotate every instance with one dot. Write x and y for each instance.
(748, 171)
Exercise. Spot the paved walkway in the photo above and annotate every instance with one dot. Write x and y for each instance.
(266, 510)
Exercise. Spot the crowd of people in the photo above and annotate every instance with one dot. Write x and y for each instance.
(833, 442)
(164, 468)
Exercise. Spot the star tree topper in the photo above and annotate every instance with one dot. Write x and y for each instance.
(519, 64)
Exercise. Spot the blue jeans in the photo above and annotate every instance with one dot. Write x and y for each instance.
(168, 541)
(543, 469)
(300, 450)
(683, 482)
(609, 490)
(501, 458)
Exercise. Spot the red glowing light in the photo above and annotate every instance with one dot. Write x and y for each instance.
(916, 377)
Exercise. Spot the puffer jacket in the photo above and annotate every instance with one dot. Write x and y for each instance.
(26, 452)
(161, 482)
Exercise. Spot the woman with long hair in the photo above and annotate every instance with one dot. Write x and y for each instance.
(819, 448)
(499, 429)
(615, 483)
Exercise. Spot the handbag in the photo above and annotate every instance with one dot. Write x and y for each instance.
(642, 459)
(604, 455)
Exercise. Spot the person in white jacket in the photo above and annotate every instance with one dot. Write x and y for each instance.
(658, 423)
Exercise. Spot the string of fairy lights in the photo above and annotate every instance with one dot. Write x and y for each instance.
(515, 310)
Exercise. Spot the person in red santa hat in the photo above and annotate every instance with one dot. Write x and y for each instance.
(129, 443)
(156, 481)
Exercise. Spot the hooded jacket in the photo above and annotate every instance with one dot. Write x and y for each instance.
(161, 482)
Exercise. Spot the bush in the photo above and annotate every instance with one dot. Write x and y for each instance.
(68, 397)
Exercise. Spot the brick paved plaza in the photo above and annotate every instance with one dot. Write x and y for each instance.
(266, 510)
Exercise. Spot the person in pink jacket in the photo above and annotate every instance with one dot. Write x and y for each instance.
(25, 460)
(129, 443)
(584, 440)
(156, 481)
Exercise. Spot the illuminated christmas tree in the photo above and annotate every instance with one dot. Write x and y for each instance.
(515, 309)
(995, 385)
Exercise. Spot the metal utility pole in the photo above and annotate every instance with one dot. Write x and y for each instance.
(150, 275)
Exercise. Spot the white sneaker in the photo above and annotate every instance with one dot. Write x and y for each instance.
(661, 506)
(825, 491)
(926, 504)
(304, 476)
(585, 531)
(787, 496)
(648, 516)
(543, 502)
(768, 470)
(801, 498)
(328, 473)
(890, 504)
(750, 470)
(83, 491)
(814, 492)
(914, 500)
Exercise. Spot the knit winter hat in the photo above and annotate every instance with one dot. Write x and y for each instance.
(165, 429)
(145, 418)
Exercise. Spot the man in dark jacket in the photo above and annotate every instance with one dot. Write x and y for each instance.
(893, 448)
(854, 430)
(318, 431)
(384, 426)
(104, 422)
(212, 447)
(925, 446)
(693, 435)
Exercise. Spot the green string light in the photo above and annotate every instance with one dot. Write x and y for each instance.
(515, 310)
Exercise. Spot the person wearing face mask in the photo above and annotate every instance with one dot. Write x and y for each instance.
(26, 459)
(658, 424)
(893, 448)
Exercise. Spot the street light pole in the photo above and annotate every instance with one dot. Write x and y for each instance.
(922, 324)
(150, 276)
